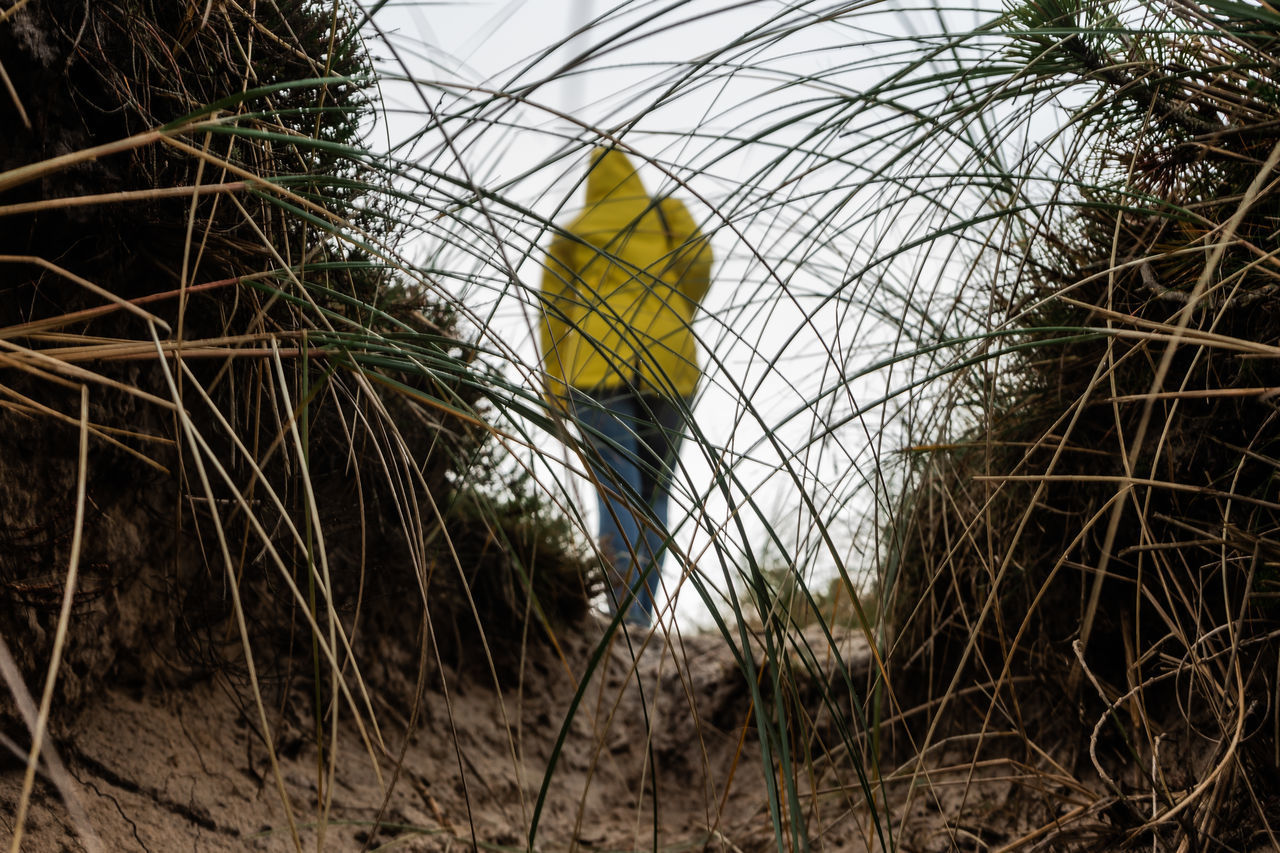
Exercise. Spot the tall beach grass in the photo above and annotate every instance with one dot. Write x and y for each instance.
(989, 380)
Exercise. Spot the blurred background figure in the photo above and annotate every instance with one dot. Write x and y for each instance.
(621, 286)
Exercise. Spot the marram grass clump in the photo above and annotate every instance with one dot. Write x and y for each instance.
(1098, 549)
(230, 408)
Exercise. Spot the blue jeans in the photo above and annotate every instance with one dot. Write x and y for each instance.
(634, 439)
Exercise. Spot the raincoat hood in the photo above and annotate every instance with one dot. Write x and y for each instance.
(616, 200)
(612, 177)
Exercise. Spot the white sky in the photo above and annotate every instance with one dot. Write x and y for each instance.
(783, 347)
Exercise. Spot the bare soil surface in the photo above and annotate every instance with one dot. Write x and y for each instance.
(662, 753)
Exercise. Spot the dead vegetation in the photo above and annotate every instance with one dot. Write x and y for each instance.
(238, 433)
(1097, 554)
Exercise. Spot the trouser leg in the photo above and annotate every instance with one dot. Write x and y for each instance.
(661, 425)
(634, 439)
(608, 427)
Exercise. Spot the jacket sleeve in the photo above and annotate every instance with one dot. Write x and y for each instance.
(557, 276)
(691, 257)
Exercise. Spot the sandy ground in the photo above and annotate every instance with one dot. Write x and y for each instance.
(662, 752)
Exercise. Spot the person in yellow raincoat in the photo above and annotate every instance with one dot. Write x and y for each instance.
(621, 285)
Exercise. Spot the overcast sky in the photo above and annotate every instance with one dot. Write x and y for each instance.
(772, 349)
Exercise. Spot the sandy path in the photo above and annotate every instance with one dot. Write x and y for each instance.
(187, 770)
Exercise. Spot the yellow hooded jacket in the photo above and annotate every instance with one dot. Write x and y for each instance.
(621, 285)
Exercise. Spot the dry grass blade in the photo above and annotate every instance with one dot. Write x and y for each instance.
(13, 94)
(62, 779)
(16, 177)
(60, 638)
(97, 290)
(122, 197)
(233, 583)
